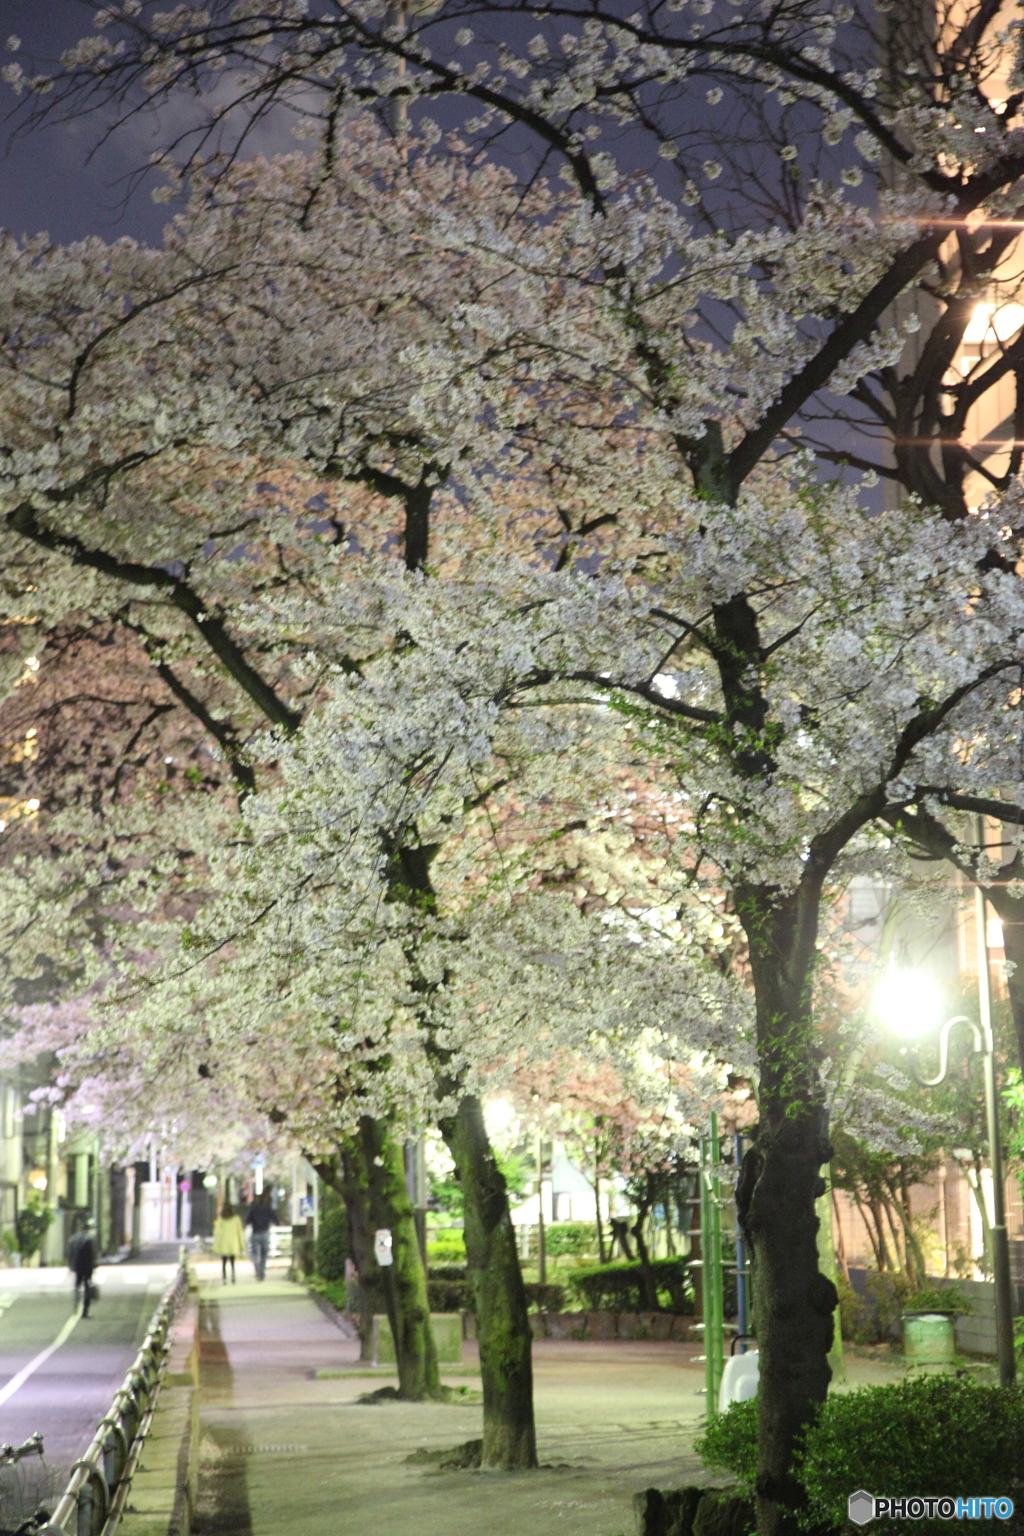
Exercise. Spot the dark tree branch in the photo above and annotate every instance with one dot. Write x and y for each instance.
(24, 520)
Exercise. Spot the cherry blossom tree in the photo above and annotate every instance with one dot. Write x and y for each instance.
(356, 962)
(822, 688)
(880, 675)
(179, 569)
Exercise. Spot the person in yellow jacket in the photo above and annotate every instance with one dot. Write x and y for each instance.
(228, 1239)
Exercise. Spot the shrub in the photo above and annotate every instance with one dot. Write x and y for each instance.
(939, 1299)
(888, 1292)
(931, 1435)
(449, 1290)
(450, 1295)
(874, 1318)
(32, 1224)
(569, 1237)
(446, 1246)
(856, 1320)
(333, 1290)
(545, 1298)
(618, 1287)
(729, 1443)
(331, 1249)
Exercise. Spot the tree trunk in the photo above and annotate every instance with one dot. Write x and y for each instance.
(601, 1254)
(916, 1267)
(827, 1266)
(503, 1326)
(978, 1191)
(866, 1216)
(405, 1280)
(837, 1229)
(780, 1182)
(901, 1258)
(400, 1290)
(648, 1286)
(347, 1174)
(875, 1207)
(793, 1302)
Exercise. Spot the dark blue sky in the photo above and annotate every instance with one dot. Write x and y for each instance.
(47, 181)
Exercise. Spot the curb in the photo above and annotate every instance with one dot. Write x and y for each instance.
(345, 1324)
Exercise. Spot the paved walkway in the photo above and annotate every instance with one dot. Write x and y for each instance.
(285, 1450)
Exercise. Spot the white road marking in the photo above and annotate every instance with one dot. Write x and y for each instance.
(18, 1381)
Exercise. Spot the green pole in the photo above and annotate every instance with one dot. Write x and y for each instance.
(716, 1352)
(711, 1246)
(705, 1282)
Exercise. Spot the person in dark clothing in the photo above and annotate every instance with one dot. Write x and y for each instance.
(82, 1263)
(260, 1219)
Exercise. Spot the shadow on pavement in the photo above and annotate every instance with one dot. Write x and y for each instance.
(222, 1507)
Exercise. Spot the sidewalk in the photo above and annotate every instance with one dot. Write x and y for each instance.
(282, 1450)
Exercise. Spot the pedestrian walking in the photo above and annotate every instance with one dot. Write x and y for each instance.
(82, 1263)
(228, 1240)
(260, 1218)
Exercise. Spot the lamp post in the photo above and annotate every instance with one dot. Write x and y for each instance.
(908, 1001)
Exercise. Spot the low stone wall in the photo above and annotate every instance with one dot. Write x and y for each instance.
(656, 1326)
(163, 1492)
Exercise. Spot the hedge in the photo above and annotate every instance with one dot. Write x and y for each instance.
(944, 1436)
(446, 1245)
(331, 1248)
(618, 1287)
(570, 1237)
(449, 1290)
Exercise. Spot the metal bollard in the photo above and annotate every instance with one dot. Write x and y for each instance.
(115, 1451)
(93, 1499)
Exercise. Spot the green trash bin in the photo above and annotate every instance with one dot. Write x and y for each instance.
(928, 1338)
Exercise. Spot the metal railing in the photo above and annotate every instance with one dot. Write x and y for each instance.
(94, 1499)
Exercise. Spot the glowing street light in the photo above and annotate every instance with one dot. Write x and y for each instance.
(910, 1004)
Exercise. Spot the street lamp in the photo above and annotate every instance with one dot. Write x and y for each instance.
(911, 1005)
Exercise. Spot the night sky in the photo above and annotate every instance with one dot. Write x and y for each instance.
(45, 181)
(60, 179)
(56, 178)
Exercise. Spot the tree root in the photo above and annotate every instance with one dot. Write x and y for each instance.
(456, 1396)
(458, 1458)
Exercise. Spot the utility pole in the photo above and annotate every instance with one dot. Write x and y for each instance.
(1000, 1242)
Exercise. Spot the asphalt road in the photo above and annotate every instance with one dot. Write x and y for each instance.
(64, 1392)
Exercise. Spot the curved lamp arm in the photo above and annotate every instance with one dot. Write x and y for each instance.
(944, 1033)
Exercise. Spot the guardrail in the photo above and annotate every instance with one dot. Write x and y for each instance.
(94, 1499)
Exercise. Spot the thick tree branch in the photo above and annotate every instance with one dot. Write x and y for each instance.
(225, 735)
(24, 520)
